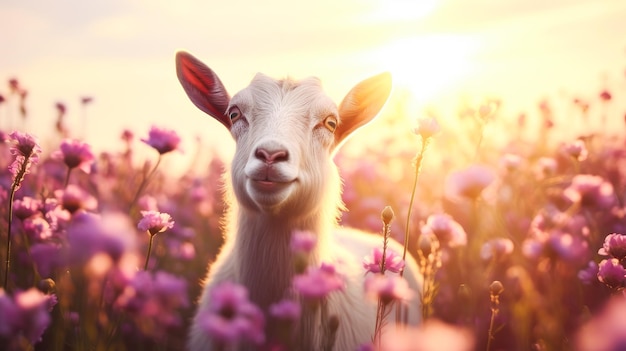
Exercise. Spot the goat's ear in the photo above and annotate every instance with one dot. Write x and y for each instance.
(203, 87)
(362, 104)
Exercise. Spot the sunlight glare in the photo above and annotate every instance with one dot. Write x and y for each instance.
(427, 65)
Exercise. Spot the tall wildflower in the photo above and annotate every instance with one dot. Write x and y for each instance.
(26, 150)
(75, 154)
(154, 222)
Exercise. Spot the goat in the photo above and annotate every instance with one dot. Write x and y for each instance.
(284, 179)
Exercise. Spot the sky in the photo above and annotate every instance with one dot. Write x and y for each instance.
(121, 52)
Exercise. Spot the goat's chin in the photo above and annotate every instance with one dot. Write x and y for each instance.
(270, 196)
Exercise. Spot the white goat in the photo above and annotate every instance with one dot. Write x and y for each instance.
(284, 179)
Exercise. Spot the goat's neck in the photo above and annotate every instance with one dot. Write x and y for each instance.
(265, 259)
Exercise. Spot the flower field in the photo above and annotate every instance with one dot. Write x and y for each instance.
(517, 223)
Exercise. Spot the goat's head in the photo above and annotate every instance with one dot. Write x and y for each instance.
(286, 133)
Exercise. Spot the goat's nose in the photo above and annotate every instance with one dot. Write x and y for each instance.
(271, 156)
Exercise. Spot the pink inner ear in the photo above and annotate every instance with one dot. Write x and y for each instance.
(192, 78)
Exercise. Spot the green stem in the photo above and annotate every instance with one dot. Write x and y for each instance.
(145, 266)
(7, 265)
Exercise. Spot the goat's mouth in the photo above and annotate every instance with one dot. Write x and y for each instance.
(269, 186)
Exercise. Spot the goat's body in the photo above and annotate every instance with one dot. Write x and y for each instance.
(284, 180)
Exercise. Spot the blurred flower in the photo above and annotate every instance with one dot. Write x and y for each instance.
(496, 248)
(47, 257)
(468, 183)
(37, 228)
(606, 331)
(546, 167)
(590, 191)
(511, 162)
(317, 283)
(448, 231)
(230, 317)
(433, 335)
(286, 310)
(128, 135)
(61, 109)
(611, 273)
(162, 140)
(86, 100)
(427, 127)
(393, 261)
(605, 95)
(556, 243)
(74, 198)
(26, 314)
(26, 151)
(26, 207)
(155, 222)
(75, 154)
(589, 274)
(614, 246)
(154, 300)
(387, 288)
(303, 241)
(576, 150)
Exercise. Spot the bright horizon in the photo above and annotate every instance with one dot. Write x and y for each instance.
(122, 54)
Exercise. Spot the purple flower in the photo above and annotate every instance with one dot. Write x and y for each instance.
(153, 301)
(27, 314)
(589, 274)
(611, 273)
(162, 140)
(614, 246)
(590, 191)
(387, 288)
(606, 330)
(26, 207)
(393, 261)
(496, 248)
(26, 151)
(302, 241)
(230, 317)
(75, 154)
(89, 234)
(37, 228)
(448, 231)
(155, 222)
(469, 183)
(286, 310)
(74, 198)
(317, 283)
(47, 257)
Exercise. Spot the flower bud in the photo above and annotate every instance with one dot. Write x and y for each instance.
(387, 215)
(46, 286)
(496, 288)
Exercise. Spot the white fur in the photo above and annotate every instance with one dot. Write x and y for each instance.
(288, 115)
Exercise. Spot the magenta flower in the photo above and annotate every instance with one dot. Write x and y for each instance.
(496, 248)
(611, 273)
(26, 314)
(614, 246)
(469, 183)
(74, 198)
(75, 154)
(155, 222)
(317, 283)
(303, 241)
(590, 191)
(606, 330)
(37, 228)
(162, 140)
(393, 261)
(153, 301)
(387, 288)
(286, 310)
(26, 151)
(448, 231)
(230, 317)
(26, 207)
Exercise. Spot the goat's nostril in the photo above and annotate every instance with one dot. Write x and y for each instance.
(271, 156)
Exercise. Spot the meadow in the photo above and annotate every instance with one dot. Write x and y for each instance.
(517, 224)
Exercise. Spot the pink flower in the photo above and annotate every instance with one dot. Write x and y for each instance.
(26, 207)
(75, 154)
(590, 191)
(74, 198)
(393, 261)
(495, 248)
(589, 274)
(162, 140)
(317, 283)
(26, 151)
(611, 273)
(576, 150)
(427, 127)
(614, 246)
(230, 317)
(302, 241)
(448, 231)
(387, 288)
(431, 336)
(27, 313)
(606, 330)
(37, 228)
(469, 183)
(155, 222)
(286, 310)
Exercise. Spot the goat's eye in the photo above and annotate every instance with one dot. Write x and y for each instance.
(234, 114)
(330, 123)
